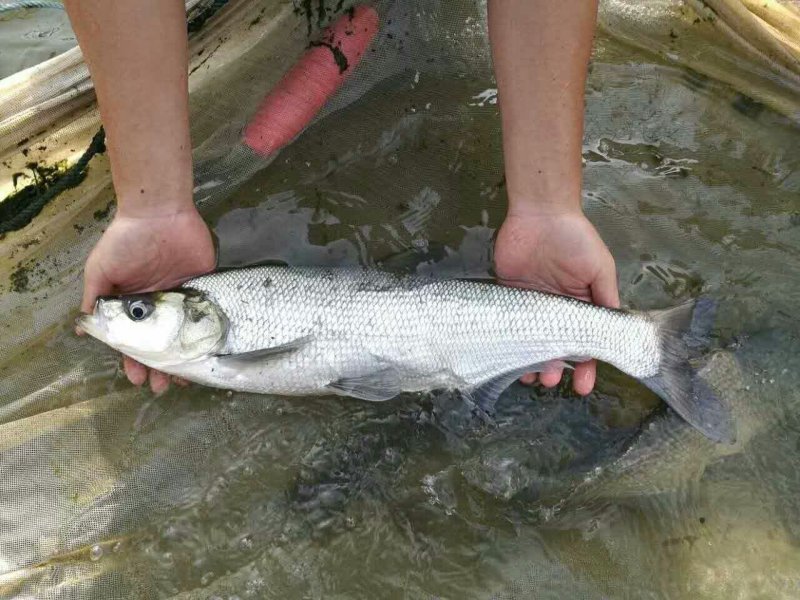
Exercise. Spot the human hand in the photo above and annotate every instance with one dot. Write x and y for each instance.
(560, 253)
(146, 253)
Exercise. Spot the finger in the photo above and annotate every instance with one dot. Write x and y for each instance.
(136, 372)
(93, 286)
(584, 377)
(159, 382)
(604, 288)
(180, 381)
(528, 379)
(605, 292)
(551, 376)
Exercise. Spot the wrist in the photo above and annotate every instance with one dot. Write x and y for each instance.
(543, 189)
(128, 209)
(542, 179)
(534, 207)
(155, 200)
(152, 179)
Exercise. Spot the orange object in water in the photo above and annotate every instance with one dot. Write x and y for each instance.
(310, 83)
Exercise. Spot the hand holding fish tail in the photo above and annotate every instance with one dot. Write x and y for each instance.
(541, 51)
(563, 254)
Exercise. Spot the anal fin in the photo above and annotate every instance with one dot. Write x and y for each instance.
(486, 394)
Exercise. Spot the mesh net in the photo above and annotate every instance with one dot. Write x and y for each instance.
(692, 177)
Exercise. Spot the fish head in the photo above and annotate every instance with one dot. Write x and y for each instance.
(160, 328)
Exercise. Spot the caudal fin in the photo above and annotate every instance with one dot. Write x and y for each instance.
(677, 382)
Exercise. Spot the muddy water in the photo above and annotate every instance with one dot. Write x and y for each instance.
(203, 494)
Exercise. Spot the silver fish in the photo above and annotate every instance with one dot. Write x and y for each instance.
(370, 334)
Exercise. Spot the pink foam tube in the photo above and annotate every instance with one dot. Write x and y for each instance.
(310, 83)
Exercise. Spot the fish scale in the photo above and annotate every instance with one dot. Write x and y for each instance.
(371, 335)
(360, 319)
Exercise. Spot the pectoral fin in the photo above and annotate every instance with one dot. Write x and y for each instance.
(265, 354)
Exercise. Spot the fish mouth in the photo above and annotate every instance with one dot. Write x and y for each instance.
(90, 324)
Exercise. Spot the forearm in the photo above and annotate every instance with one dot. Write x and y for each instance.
(137, 54)
(541, 51)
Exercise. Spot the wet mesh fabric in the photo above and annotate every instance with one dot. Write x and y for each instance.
(692, 176)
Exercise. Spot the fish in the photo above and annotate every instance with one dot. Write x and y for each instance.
(373, 334)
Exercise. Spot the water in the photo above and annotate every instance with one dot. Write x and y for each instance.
(205, 494)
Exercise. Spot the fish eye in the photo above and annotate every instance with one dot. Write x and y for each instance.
(139, 309)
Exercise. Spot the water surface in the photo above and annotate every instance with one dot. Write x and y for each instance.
(201, 493)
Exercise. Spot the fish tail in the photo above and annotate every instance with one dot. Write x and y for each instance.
(684, 329)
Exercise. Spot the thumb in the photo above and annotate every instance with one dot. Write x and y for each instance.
(94, 284)
(604, 288)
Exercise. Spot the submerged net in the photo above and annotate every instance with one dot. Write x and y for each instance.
(692, 176)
